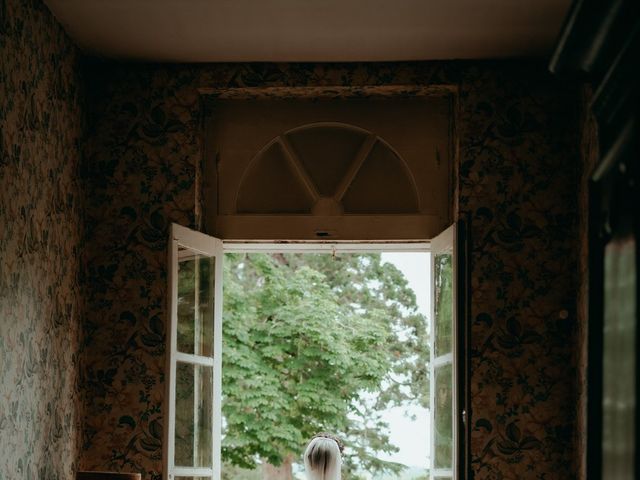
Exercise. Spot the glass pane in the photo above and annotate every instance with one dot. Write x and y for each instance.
(194, 410)
(195, 303)
(619, 366)
(443, 302)
(443, 412)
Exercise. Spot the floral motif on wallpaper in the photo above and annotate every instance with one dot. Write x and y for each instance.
(41, 228)
(519, 178)
(518, 170)
(141, 171)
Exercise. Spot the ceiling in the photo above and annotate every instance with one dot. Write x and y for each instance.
(311, 30)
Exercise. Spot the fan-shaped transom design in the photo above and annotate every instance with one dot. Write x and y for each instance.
(327, 169)
(309, 165)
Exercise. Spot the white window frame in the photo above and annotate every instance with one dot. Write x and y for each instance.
(444, 242)
(214, 247)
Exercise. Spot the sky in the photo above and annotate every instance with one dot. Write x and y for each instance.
(412, 437)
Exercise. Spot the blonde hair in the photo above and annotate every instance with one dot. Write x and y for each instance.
(323, 459)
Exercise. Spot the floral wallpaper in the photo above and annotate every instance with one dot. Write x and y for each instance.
(518, 171)
(519, 167)
(41, 127)
(141, 171)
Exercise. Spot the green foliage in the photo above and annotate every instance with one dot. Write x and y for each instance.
(232, 472)
(317, 343)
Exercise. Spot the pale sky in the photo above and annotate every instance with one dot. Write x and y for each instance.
(412, 437)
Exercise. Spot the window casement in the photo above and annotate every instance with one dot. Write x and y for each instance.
(194, 361)
(443, 371)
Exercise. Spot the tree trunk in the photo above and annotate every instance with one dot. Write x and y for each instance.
(282, 472)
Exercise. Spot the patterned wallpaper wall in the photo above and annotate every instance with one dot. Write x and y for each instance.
(519, 167)
(141, 171)
(41, 125)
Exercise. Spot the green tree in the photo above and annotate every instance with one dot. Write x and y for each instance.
(317, 342)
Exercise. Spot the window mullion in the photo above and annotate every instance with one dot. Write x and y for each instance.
(197, 378)
(192, 471)
(445, 359)
(194, 359)
(442, 472)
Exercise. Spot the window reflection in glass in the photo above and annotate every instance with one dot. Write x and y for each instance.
(195, 303)
(443, 307)
(194, 411)
(443, 450)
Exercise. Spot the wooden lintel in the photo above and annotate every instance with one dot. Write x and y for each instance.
(344, 227)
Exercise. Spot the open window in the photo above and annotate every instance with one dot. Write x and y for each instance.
(192, 441)
(443, 368)
(194, 417)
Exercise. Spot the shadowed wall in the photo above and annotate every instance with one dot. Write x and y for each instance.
(519, 165)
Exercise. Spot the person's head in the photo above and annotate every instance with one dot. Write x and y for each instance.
(323, 457)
